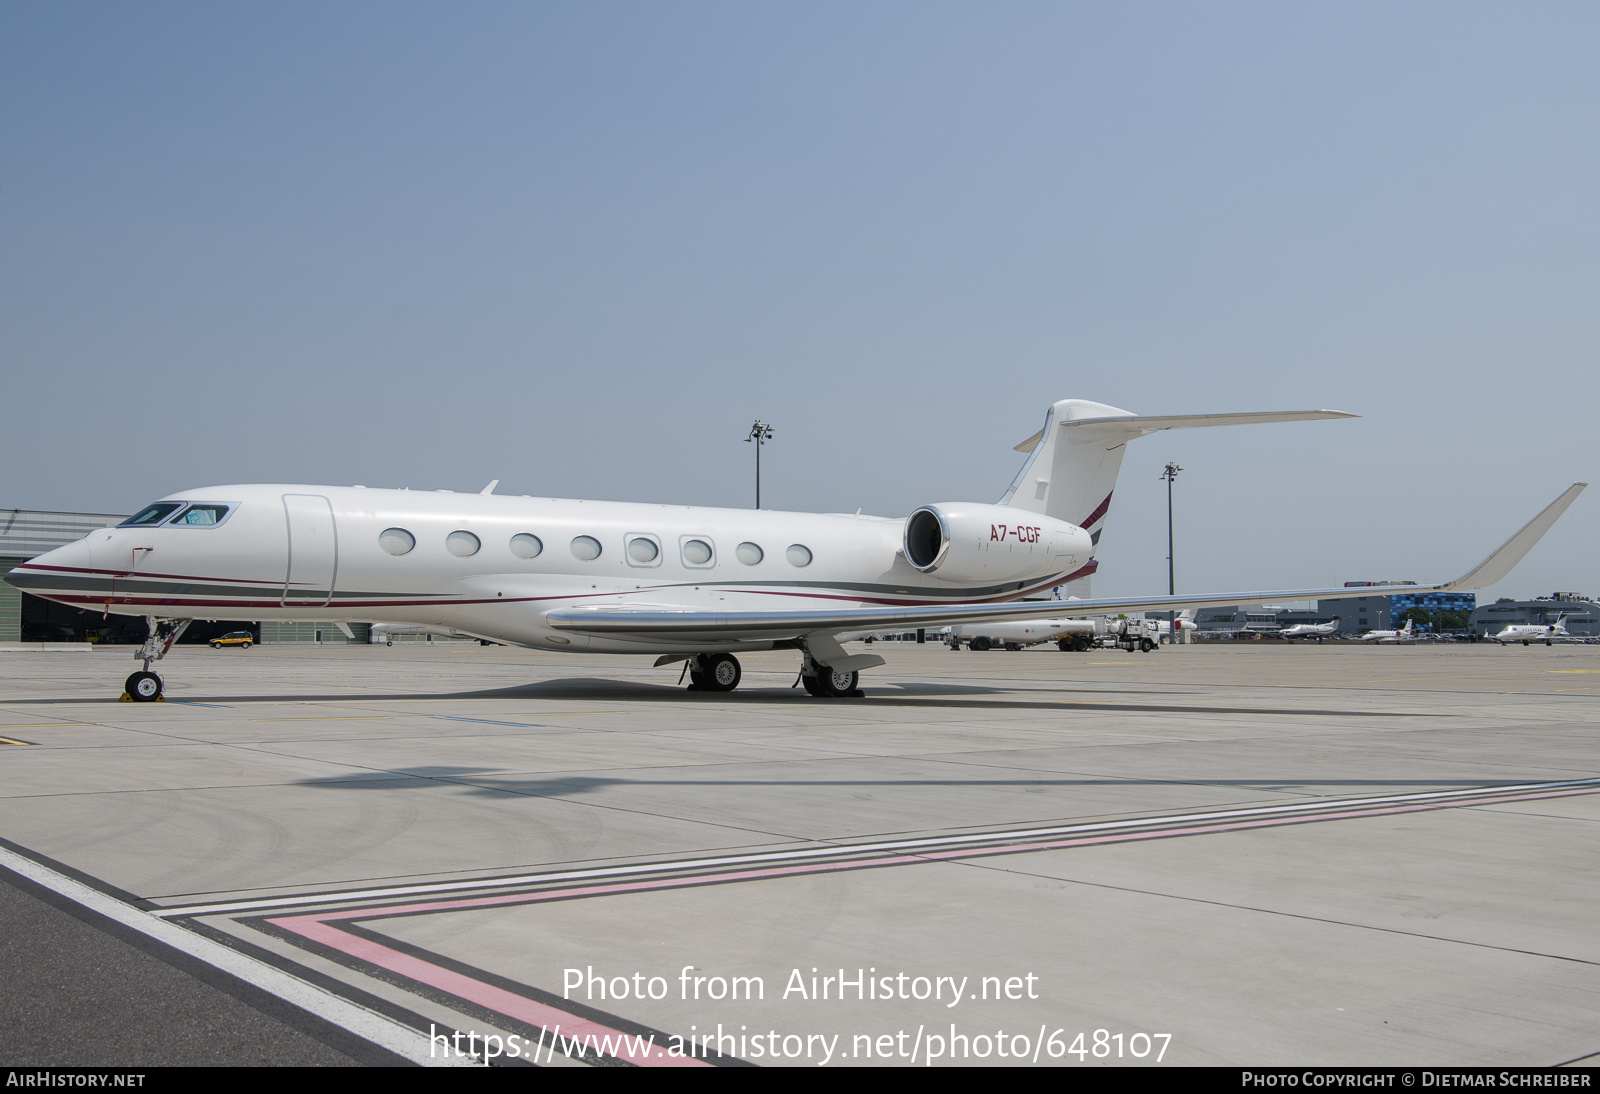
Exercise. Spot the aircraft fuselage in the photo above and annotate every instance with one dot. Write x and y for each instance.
(493, 565)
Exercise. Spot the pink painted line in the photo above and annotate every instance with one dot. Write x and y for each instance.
(587, 1034)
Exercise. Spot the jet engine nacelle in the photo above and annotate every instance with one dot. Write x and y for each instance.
(964, 542)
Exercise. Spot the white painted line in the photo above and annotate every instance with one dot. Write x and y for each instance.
(384, 1032)
(1317, 805)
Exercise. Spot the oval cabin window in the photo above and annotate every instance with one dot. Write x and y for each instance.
(397, 541)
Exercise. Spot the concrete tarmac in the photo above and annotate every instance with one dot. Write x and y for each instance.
(1245, 854)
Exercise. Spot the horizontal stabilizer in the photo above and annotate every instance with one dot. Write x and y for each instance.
(1132, 425)
(1154, 424)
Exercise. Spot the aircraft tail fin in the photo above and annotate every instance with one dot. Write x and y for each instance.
(1072, 464)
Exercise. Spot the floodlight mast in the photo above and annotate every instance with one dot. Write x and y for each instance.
(1172, 616)
(760, 433)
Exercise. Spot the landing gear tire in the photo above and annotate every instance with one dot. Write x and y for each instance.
(143, 687)
(836, 685)
(980, 644)
(715, 672)
(812, 684)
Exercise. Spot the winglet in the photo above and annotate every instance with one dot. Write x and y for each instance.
(1509, 553)
(490, 488)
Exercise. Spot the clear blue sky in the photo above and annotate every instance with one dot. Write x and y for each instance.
(579, 247)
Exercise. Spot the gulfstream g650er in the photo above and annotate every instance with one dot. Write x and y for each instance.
(677, 582)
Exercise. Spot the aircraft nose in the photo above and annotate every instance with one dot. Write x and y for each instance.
(49, 571)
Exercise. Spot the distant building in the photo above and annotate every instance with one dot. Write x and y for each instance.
(1360, 613)
(1583, 614)
(1434, 603)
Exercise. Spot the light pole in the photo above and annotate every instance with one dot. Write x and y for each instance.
(760, 433)
(1172, 588)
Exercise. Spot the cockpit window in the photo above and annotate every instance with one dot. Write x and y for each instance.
(152, 514)
(201, 514)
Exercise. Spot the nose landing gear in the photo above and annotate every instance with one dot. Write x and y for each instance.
(145, 686)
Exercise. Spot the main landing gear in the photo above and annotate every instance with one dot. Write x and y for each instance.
(829, 683)
(145, 686)
(839, 679)
(714, 672)
(721, 672)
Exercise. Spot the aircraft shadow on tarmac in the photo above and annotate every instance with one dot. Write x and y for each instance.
(931, 695)
(477, 782)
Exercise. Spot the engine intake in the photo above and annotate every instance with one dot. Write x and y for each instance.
(966, 543)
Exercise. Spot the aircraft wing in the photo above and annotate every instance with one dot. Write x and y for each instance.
(697, 626)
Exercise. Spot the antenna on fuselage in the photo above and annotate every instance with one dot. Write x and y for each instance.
(490, 488)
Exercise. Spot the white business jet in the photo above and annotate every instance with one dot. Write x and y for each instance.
(1186, 623)
(681, 583)
(1319, 631)
(1403, 635)
(1548, 633)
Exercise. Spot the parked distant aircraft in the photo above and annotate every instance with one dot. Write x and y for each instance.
(1185, 623)
(1402, 635)
(1547, 633)
(1319, 631)
(677, 582)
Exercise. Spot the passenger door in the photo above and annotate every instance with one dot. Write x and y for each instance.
(313, 551)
